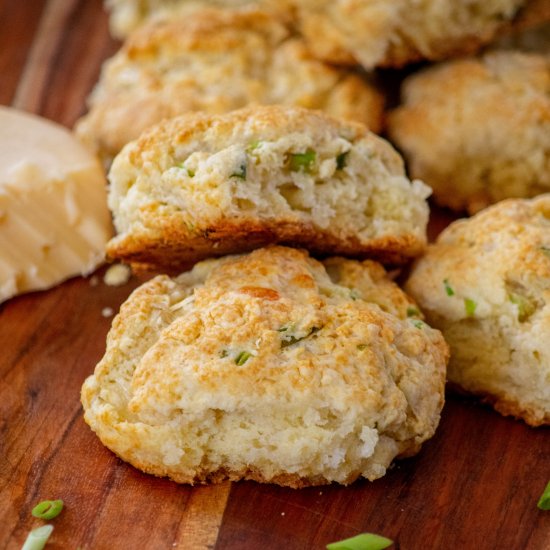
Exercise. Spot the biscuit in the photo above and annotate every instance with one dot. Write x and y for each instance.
(377, 33)
(216, 61)
(485, 284)
(125, 16)
(370, 32)
(262, 367)
(199, 186)
(478, 130)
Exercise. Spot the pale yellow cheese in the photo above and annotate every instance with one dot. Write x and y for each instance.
(54, 221)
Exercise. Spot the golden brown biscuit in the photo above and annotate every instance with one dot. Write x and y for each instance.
(478, 130)
(485, 284)
(216, 61)
(262, 367)
(371, 32)
(200, 186)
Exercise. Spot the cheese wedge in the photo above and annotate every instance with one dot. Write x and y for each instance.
(54, 221)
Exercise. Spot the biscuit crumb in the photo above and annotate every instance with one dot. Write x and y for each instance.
(117, 275)
(107, 312)
(94, 280)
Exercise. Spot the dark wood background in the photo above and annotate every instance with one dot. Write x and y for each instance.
(475, 485)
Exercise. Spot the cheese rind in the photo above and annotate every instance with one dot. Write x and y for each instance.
(54, 220)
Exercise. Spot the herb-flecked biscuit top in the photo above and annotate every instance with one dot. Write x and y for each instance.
(485, 284)
(201, 185)
(269, 366)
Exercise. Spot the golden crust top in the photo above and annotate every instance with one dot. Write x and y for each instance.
(216, 60)
(485, 284)
(261, 366)
(202, 185)
(468, 164)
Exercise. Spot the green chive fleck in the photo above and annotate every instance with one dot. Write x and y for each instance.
(242, 358)
(544, 500)
(253, 145)
(365, 541)
(224, 353)
(190, 171)
(448, 288)
(362, 347)
(47, 509)
(470, 307)
(545, 250)
(341, 160)
(302, 162)
(418, 323)
(412, 312)
(240, 172)
(526, 307)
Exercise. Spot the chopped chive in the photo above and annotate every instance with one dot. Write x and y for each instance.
(526, 307)
(240, 172)
(544, 500)
(365, 541)
(354, 294)
(418, 323)
(302, 162)
(242, 358)
(38, 538)
(190, 171)
(470, 307)
(253, 145)
(47, 509)
(341, 160)
(412, 311)
(224, 353)
(448, 288)
(362, 347)
(545, 250)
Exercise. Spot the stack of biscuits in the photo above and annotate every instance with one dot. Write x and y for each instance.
(274, 345)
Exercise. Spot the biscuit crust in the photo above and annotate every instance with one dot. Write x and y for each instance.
(373, 33)
(271, 367)
(215, 61)
(485, 284)
(201, 186)
(471, 165)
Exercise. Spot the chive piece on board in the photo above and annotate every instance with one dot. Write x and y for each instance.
(37, 538)
(544, 500)
(365, 541)
(47, 509)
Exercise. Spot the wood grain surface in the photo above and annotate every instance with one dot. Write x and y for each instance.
(475, 485)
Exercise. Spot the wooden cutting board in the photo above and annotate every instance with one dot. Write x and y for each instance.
(475, 485)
